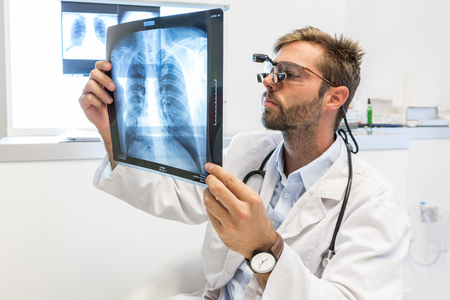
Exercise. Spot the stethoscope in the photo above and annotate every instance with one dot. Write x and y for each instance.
(329, 255)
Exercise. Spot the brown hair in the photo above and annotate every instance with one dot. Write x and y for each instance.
(341, 63)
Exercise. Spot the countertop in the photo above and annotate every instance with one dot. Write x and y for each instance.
(44, 148)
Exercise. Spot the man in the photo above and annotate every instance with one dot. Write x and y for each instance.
(295, 213)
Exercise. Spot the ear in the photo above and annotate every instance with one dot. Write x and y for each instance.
(336, 98)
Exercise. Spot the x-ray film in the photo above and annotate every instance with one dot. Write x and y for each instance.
(167, 111)
(83, 31)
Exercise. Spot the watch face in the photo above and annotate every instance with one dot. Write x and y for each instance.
(263, 262)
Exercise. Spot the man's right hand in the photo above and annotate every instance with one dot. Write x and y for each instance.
(94, 98)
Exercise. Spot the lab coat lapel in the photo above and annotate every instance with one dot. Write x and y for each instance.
(310, 209)
(270, 180)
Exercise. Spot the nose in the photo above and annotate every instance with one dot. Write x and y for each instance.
(269, 84)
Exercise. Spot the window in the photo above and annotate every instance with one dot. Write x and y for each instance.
(44, 82)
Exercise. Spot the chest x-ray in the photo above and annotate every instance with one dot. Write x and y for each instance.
(161, 101)
(84, 35)
(162, 78)
(84, 27)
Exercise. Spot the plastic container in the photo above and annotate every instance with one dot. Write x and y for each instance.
(369, 112)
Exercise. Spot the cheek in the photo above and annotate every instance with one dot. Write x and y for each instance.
(295, 99)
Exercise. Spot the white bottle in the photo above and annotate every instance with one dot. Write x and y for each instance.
(358, 110)
(362, 98)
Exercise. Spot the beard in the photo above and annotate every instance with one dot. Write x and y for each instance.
(299, 124)
(302, 118)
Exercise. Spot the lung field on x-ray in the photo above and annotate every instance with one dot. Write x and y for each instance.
(161, 96)
(77, 32)
(100, 29)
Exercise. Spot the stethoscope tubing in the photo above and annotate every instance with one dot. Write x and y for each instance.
(260, 171)
(345, 201)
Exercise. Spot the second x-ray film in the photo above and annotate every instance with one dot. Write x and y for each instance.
(167, 111)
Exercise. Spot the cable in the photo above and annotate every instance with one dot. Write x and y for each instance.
(424, 213)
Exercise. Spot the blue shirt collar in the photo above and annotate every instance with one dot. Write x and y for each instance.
(312, 172)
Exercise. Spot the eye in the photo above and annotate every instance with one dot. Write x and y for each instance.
(293, 71)
(292, 76)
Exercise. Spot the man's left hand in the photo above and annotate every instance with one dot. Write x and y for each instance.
(237, 213)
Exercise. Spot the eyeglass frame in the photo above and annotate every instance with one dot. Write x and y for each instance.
(280, 76)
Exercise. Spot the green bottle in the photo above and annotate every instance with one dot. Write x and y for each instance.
(369, 112)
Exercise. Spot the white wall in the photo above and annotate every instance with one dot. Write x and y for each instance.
(63, 239)
(2, 74)
(420, 174)
(398, 35)
(428, 179)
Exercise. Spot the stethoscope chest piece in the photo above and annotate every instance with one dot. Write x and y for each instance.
(325, 262)
(326, 258)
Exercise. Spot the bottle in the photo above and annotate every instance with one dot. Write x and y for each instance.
(362, 98)
(369, 112)
(358, 111)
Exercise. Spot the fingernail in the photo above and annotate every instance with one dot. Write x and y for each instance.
(111, 85)
(109, 99)
(208, 166)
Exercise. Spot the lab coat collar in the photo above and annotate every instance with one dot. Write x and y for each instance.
(271, 178)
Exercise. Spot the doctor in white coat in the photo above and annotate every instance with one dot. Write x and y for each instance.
(267, 239)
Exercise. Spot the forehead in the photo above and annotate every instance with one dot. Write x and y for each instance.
(301, 53)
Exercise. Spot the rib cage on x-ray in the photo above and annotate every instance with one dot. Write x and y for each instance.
(135, 98)
(174, 105)
(161, 96)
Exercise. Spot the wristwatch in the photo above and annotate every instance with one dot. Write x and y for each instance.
(264, 261)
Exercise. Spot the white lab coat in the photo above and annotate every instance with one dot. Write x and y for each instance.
(370, 247)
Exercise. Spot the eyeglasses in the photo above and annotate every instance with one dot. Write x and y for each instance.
(284, 70)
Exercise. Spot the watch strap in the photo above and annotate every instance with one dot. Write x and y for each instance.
(278, 247)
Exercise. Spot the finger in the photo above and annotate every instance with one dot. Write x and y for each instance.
(88, 100)
(103, 65)
(215, 222)
(214, 206)
(93, 87)
(223, 195)
(236, 186)
(103, 79)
